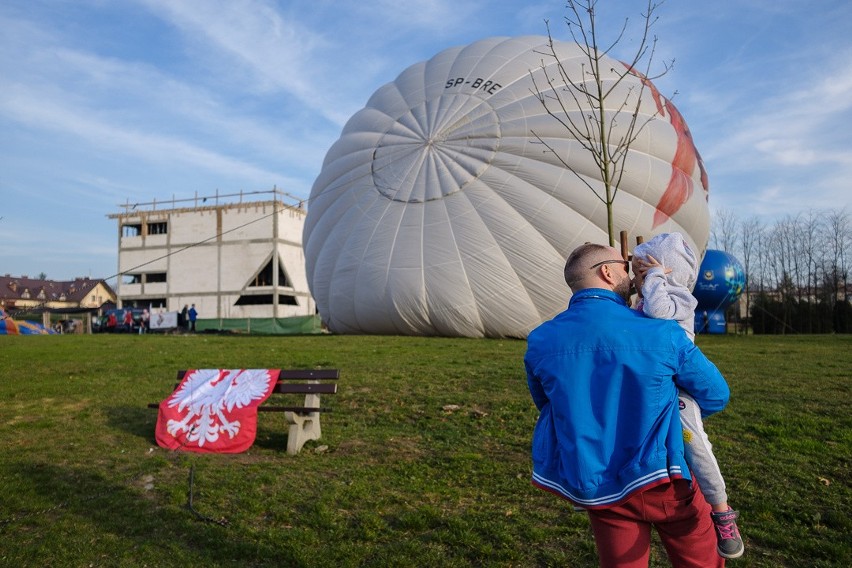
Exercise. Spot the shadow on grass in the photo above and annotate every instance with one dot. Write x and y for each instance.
(270, 439)
(139, 422)
(134, 525)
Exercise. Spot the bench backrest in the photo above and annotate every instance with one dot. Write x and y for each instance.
(283, 387)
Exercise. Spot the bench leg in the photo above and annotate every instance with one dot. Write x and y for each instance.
(303, 427)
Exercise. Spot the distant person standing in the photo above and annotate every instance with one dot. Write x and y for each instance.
(143, 328)
(128, 320)
(183, 317)
(193, 315)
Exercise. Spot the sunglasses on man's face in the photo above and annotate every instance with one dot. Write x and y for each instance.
(624, 263)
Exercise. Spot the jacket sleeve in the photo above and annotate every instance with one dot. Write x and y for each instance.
(536, 389)
(700, 377)
(662, 301)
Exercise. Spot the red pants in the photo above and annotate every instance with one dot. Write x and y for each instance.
(679, 513)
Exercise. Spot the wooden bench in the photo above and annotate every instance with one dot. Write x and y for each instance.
(304, 420)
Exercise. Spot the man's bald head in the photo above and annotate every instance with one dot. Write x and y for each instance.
(578, 272)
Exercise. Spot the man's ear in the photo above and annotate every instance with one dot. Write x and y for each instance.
(606, 273)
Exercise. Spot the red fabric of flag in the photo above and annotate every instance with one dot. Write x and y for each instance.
(214, 410)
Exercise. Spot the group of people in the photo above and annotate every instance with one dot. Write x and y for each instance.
(128, 323)
(186, 320)
(187, 317)
(622, 393)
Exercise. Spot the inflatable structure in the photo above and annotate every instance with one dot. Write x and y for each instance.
(439, 212)
(9, 326)
(721, 281)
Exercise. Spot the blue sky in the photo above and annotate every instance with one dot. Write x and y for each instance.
(104, 102)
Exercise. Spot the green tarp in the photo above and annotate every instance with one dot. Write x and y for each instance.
(264, 326)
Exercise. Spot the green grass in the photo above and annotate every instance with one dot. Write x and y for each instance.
(403, 482)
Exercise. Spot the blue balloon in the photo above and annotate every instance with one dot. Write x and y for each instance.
(710, 321)
(721, 281)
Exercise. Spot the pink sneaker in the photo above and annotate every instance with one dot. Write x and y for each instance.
(729, 543)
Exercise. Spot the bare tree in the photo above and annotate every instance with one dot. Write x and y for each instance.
(811, 251)
(604, 133)
(751, 232)
(725, 230)
(839, 237)
(801, 266)
(763, 264)
(725, 236)
(785, 264)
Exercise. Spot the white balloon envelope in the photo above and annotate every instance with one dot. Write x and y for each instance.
(438, 212)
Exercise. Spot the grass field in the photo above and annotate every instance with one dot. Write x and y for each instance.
(402, 482)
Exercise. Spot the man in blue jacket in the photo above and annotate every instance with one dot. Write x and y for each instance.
(608, 438)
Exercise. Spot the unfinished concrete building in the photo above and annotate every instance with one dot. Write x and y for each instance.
(233, 256)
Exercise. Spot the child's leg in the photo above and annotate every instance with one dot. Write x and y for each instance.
(699, 454)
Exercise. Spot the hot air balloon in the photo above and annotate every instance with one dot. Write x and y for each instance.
(438, 212)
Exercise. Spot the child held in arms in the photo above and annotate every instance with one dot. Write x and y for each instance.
(665, 271)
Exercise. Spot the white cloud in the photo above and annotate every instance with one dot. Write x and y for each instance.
(260, 46)
(438, 16)
(27, 107)
(120, 105)
(792, 123)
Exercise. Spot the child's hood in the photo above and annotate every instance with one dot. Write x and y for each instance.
(672, 252)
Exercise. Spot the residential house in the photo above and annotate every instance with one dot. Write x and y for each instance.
(22, 293)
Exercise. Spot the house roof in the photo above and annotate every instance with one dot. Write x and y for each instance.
(26, 288)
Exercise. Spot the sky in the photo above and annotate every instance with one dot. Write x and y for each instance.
(105, 102)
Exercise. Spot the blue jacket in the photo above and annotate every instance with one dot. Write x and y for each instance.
(605, 379)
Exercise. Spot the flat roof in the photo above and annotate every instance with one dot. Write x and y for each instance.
(211, 202)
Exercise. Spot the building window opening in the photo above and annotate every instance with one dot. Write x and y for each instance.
(264, 277)
(287, 300)
(155, 277)
(131, 279)
(160, 228)
(131, 230)
(255, 300)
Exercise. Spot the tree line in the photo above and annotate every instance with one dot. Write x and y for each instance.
(797, 270)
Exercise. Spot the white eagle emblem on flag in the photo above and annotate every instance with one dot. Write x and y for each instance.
(211, 403)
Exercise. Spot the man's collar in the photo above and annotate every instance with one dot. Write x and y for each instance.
(596, 294)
